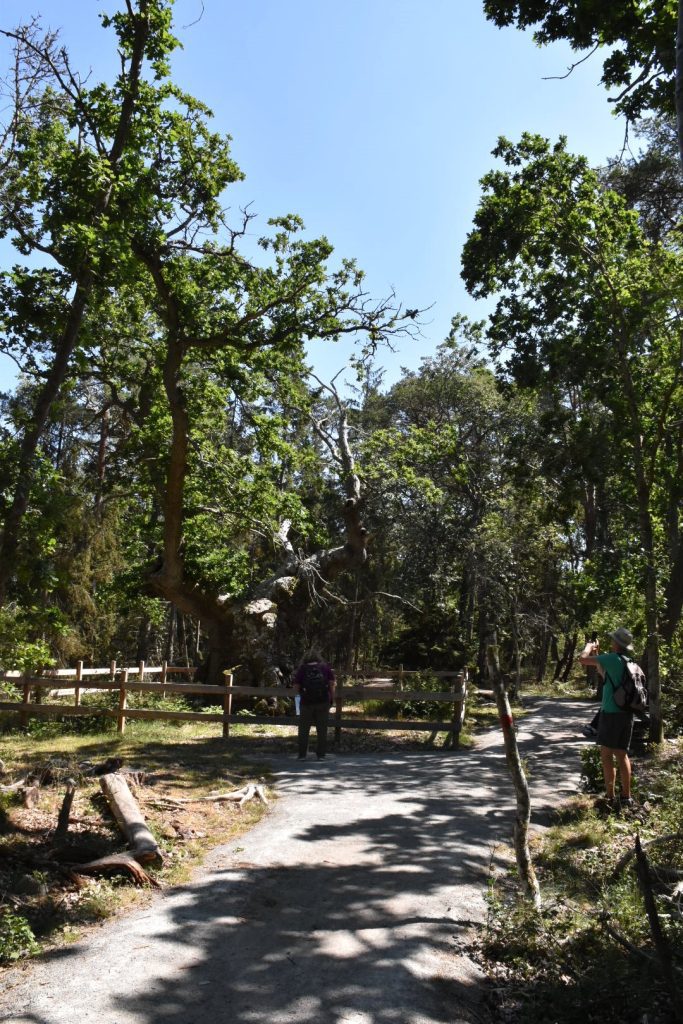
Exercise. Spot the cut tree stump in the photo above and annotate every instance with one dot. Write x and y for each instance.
(64, 814)
(129, 818)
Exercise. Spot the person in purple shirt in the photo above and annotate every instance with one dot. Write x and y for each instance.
(615, 725)
(315, 683)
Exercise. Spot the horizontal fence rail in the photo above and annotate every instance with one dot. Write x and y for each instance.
(383, 685)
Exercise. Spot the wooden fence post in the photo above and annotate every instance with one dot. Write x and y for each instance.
(227, 704)
(141, 670)
(112, 671)
(338, 712)
(123, 702)
(23, 714)
(164, 676)
(79, 679)
(400, 676)
(458, 707)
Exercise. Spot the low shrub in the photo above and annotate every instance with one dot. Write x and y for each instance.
(16, 937)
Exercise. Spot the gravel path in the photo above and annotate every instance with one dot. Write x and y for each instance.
(347, 903)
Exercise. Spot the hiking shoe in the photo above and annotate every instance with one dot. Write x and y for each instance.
(590, 731)
(607, 804)
(627, 805)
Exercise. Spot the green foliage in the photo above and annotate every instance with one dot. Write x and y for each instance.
(18, 651)
(640, 38)
(16, 937)
(417, 709)
(179, 439)
(591, 769)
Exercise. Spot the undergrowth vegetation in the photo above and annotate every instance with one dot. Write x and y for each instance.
(588, 955)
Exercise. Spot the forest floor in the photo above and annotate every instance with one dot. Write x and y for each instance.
(354, 899)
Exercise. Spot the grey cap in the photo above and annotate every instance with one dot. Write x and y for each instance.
(623, 637)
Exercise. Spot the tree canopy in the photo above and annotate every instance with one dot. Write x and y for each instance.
(176, 481)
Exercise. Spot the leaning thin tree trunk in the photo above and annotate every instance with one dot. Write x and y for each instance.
(660, 940)
(129, 818)
(523, 815)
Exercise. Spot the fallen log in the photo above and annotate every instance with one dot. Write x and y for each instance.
(129, 818)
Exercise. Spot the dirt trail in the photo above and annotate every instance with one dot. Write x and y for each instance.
(347, 903)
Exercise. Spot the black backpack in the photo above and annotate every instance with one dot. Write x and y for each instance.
(314, 686)
(631, 693)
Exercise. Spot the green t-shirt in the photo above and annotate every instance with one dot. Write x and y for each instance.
(614, 670)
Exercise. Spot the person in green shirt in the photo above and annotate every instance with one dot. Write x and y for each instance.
(615, 726)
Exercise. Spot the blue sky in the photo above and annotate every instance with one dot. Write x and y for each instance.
(372, 119)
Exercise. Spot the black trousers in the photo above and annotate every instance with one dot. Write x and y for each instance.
(317, 715)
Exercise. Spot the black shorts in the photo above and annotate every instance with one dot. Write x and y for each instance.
(614, 730)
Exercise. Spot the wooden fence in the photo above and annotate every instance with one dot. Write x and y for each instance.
(384, 686)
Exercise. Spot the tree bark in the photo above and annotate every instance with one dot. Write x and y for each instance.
(129, 818)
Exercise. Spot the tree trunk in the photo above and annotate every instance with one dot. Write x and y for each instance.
(564, 663)
(144, 637)
(651, 598)
(182, 640)
(247, 632)
(516, 650)
(673, 595)
(570, 657)
(169, 646)
(543, 654)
